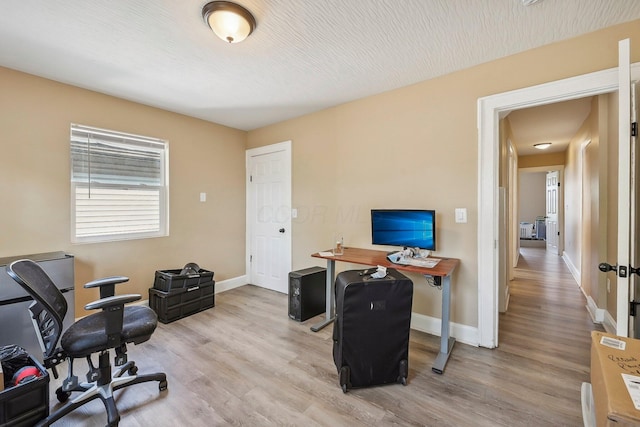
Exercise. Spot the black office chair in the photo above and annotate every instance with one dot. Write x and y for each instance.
(112, 328)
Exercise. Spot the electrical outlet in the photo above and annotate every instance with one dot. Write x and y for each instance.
(608, 285)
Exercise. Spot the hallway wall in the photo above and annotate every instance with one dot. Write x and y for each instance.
(532, 196)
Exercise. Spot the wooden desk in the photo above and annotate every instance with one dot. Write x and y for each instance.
(441, 274)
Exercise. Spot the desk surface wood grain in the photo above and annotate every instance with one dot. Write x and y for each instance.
(374, 257)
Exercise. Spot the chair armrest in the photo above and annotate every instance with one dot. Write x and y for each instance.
(118, 300)
(107, 285)
(113, 312)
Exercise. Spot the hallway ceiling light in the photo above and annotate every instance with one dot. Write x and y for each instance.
(542, 145)
(230, 21)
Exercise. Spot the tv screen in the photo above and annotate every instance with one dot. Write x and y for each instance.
(404, 227)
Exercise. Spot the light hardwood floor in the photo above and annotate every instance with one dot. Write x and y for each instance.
(245, 362)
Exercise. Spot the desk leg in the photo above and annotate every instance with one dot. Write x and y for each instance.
(329, 311)
(446, 342)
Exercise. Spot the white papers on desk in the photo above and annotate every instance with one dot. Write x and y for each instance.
(325, 253)
(399, 258)
(633, 387)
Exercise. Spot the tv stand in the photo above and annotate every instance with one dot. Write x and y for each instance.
(441, 274)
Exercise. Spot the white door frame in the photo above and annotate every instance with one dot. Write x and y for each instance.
(490, 110)
(281, 146)
(624, 190)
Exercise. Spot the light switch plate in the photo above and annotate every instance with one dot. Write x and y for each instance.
(203, 197)
(461, 215)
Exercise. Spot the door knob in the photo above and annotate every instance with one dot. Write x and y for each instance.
(604, 267)
(281, 230)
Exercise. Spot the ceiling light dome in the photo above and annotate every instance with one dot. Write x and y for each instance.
(542, 145)
(229, 21)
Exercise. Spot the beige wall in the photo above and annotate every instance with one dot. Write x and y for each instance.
(35, 115)
(581, 195)
(532, 200)
(575, 196)
(411, 147)
(416, 147)
(538, 160)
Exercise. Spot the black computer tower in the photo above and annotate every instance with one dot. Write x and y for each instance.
(307, 293)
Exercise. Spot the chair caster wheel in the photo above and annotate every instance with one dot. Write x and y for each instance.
(162, 385)
(62, 396)
(133, 370)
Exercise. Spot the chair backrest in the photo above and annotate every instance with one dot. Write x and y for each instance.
(50, 305)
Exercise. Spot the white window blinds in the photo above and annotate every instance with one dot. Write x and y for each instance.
(118, 185)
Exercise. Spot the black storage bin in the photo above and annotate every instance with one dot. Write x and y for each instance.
(179, 303)
(171, 280)
(25, 404)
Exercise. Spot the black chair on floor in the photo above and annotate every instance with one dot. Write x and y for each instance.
(112, 328)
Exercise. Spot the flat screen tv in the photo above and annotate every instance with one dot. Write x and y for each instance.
(409, 228)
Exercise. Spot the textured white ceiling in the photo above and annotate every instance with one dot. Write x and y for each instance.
(304, 55)
(555, 123)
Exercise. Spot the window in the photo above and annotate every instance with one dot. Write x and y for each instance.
(119, 186)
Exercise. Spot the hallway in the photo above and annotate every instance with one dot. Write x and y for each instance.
(547, 327)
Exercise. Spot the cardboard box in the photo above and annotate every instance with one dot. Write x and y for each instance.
(611, 357)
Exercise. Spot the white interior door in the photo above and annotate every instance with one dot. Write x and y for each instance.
(634, 253)
(269, 216)
(552, 211)
(625, 187)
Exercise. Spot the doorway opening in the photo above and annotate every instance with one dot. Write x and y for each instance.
(490, 110)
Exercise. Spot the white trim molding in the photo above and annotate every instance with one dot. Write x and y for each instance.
(609, 323)
(597, 314)
(490, 110)
(228, 284)
(431, 325)
(572, 269)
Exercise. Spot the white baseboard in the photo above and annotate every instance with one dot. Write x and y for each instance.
(431, 325)
(572, 268)
(229, 284)
(609, 323)
(597, 314)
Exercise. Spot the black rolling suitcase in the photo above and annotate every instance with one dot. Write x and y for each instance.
(371, 328)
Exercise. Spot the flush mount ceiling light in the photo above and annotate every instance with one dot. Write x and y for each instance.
(231, 22)
(542, 145)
